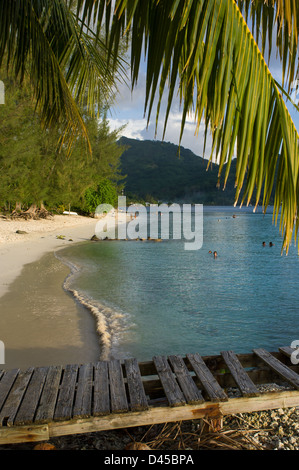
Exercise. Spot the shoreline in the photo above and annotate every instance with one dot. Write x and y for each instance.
(42, 323)
(17, 250)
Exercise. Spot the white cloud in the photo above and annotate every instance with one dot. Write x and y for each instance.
(133, 129)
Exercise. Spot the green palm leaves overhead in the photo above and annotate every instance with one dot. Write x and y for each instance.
(201, 49)
(206, 51)
(66, 65)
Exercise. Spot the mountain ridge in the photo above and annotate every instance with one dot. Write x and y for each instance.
(156, 170)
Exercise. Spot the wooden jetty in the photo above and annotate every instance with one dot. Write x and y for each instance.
(44, 402)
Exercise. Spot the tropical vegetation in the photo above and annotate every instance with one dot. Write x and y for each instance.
(36, 178)
(212, 52)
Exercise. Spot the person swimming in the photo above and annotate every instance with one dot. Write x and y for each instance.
(264, 243)
(215, 254)
(271, 244)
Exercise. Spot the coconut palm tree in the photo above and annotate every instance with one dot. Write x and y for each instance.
(65, 61)
(204, 49)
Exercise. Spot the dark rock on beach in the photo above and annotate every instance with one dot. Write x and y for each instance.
(94, 238)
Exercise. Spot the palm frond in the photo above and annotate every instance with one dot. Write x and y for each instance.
(276, 21)
(207, 47)
(66, 65)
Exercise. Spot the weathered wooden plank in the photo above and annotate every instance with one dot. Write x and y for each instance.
(243, 381)
(26, 412)
(118, 397)
(18, 434)
(138, 400)
(65, 401)
(208, 381)
(82, 406)
(6, 383)
(163, 414)
(187, 384)
(288, 351)
(13, 401)
(172, 391)
(101, 398)
(46, 407)
(214, 363)
(281, 369)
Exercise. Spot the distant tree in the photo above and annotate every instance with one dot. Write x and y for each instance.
(105, 193)
(34, 174)
(65, 60)
(23, 168)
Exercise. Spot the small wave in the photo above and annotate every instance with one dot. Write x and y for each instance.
(109, 322)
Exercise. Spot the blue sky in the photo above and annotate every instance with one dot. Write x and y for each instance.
(129, 111)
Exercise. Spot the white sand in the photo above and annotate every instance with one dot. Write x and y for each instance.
(17, 250)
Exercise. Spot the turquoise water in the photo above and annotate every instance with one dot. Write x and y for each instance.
(157, 298)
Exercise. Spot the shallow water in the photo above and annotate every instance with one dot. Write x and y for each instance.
(156, 298)
(40, 324)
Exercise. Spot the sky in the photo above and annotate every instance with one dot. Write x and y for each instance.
(129, 111)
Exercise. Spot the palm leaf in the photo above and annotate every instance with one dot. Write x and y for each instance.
(207, 47)
(276, 20)
(67, 66)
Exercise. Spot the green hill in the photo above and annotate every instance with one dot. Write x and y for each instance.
(154, 171)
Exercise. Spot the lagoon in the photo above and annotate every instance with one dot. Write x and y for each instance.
(158, 298)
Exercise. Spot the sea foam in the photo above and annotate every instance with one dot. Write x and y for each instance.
(110, 323)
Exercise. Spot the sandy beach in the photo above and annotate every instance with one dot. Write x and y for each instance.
(40, 323)
(17, 250)
(41, 237)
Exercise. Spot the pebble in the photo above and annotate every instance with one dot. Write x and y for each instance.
(277, 429)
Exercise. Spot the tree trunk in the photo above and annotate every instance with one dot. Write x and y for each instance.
(34, 212)
(32, 209)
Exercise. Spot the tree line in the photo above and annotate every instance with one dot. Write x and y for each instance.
(36, 174)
